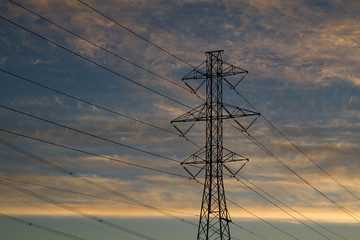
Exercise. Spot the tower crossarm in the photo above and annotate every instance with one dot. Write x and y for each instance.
(229, 70)
(194, 115)
(197, 73)
(237, 112)
(199, 113)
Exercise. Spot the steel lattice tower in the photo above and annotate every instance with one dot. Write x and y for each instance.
(214, 215)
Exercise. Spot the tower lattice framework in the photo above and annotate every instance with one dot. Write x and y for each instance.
(214, 216)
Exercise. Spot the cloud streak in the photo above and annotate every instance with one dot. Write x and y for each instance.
(303, 60)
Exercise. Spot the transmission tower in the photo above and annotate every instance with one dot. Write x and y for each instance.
(213, 73)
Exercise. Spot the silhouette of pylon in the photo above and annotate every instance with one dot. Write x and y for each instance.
(214, 216)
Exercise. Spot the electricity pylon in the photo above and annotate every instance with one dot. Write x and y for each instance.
(214, 216)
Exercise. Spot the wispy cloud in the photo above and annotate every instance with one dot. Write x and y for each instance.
(303, 59)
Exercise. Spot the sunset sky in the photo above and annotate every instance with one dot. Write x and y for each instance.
(89, 88)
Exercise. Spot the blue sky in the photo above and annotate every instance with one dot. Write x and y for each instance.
(303, 61)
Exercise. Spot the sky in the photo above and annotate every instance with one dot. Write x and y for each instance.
(89, 88)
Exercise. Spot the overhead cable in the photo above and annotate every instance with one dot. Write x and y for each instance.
(88, 153)
(93, 196)
(263, 220)
(94, 183)
(10, 21)
(95, 63)
(282, 209)
(99, 46)
(286, 205)
(66, 171)
(88, 134)
(277, 159)
(94, 105)
(298, 148)
(102, 187)
(38, 226)
(271, 124)
(134, 33)
(75, 210)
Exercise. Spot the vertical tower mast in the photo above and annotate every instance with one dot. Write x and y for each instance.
(214, 215)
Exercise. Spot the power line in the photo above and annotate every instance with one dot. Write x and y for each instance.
(94, 183)
(5, 19)
(99, 46)
(69, 172)
(249, 213)
(99, 65)
(21, 112)
(85, 101)
(93, 104)
(66, 171)
(90, 103)
(89, 134)
(282, 209)
(351, 214)
(87, 153)
(72, 174)
(257, 235)
(93, 196)
(214, 211)
(94, 227)
(298, 148)
(268, 194)
(301, 151)
(263, 220)
(293, 144)
(281, 202)
(134, 33)
(95, 63)
(25, 79)
(38, 226)
(271, 124)
(171, 98)
(116, 200)
(74, 210)
(41, 85)
(277, 159)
